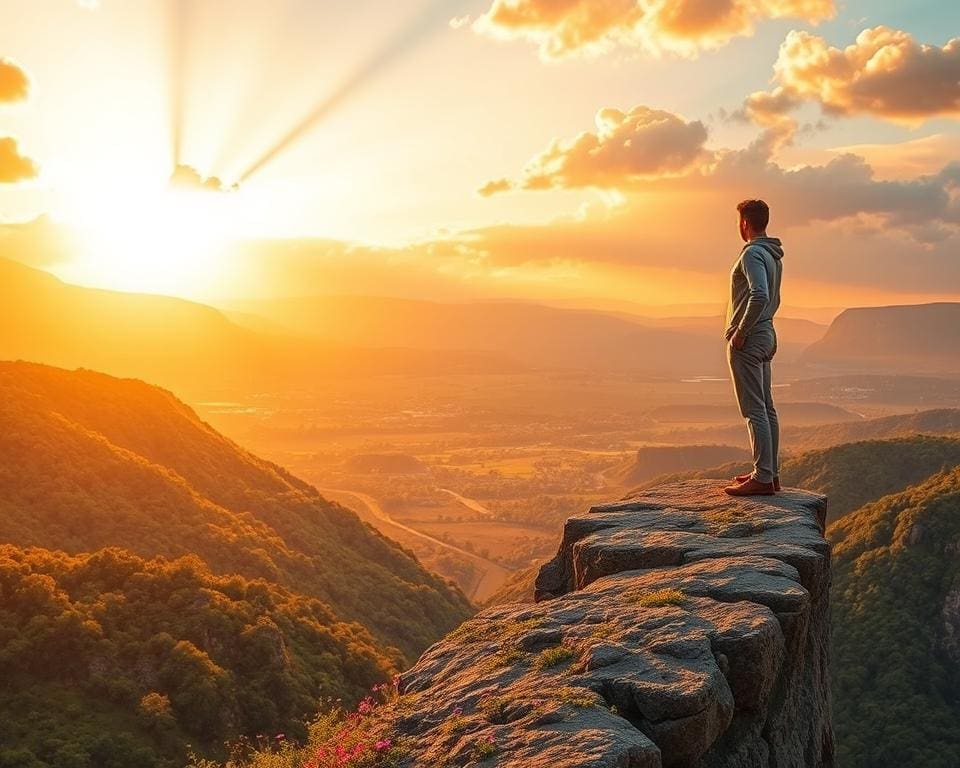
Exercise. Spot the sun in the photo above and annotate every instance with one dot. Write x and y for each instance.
(161, 238)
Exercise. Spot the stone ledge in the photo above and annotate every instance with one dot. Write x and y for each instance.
(679, 627)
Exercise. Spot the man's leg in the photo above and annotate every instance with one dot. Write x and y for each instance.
(747, 368)
(772, 417)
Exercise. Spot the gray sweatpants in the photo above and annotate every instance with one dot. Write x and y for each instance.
(750, 370)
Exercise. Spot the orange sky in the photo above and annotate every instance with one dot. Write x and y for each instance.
(472, 148)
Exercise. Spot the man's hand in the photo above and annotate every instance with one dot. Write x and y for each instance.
(738, 340)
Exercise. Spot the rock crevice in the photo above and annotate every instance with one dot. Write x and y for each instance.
(678, 627)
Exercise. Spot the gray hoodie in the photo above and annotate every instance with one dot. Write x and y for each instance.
(755, 286)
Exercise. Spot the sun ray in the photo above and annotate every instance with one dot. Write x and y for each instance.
(407, 38)
(178, 46)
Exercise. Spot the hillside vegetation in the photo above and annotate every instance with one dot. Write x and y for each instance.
(896, 621)
(98, 478)
(108, 659)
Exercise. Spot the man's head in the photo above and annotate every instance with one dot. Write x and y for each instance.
(754, 217)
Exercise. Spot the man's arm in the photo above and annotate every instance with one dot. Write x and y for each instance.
(755, 270)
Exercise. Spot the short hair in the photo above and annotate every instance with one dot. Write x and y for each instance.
(756, 213)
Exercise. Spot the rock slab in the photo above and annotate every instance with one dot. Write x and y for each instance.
(678, 627)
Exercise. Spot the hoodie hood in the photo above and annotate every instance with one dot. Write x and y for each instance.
(771, 245)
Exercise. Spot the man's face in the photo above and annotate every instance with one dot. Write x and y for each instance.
(743, 228)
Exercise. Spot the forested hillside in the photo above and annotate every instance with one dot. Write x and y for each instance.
(89, 462)
(896, 624)
(111, 660)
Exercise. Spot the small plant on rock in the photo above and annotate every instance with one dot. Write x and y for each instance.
(579, 697)
(484, 747)
(494, 708)
(553, 657)
(455, 723)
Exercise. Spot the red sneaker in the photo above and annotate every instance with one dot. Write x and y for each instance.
(751, 488)
(740, 479)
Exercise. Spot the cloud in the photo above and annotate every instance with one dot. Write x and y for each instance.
(916, 157)
(188, 177)
(14, 83)
(841, 189)
(657, 156)
(564, 28)
(886, 73)
(495, 187)
(627, 147)
(14, 166)
(768, 107)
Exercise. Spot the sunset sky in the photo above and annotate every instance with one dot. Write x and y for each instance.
(549, 149)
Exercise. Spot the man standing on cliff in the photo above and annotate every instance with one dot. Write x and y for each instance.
(752, 343)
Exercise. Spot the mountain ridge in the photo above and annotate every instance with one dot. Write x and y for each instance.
(909, 338)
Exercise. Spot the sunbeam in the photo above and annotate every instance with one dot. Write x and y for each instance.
(178, 48)
(427, 21)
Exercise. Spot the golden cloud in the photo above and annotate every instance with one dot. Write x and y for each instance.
(885, 73)
(662, 156)
(643, 143)
(563, 28)
(14, 166)
(14, 83)
(188, 177)
(769, 108)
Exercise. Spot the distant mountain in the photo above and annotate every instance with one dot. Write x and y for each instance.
(538, 335)
(793, 334)
(851, 474)
(182, 344)
(896, 629)
(90, 463)
(941, 421)
(922, 338)
(821, 316)
(655, 460)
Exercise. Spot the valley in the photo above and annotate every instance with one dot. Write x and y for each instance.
(476, 473)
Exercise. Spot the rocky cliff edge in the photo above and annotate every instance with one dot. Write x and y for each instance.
(678, 627)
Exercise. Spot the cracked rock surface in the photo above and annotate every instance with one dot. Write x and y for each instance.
(678, 627)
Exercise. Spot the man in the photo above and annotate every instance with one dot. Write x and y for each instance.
(754, 300)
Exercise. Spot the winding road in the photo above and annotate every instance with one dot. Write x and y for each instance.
(473, 504)
(493, 575)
